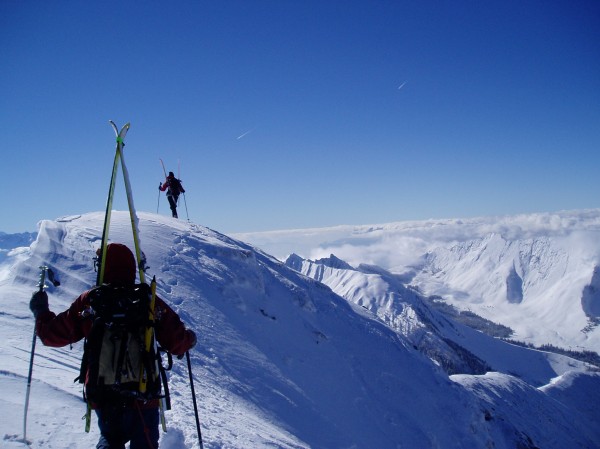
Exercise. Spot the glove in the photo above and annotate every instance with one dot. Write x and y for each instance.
(194, 338)
(38, 303)
(159, 185)
(194, 341)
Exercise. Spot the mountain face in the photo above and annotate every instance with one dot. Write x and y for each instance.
(10, 241)
(435, 329)
(540, 287)
(354, 359)
(401, 309)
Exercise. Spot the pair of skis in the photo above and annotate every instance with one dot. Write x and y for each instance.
(149, 339)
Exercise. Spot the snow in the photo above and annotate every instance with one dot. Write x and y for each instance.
(507, 400)
(405, 311)
(283, 360)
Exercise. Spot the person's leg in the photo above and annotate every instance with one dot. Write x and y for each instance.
(145, 429)
(112, 424)
(175, 203)
(173, 206)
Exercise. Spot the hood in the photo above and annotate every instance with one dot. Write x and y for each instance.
(120, 265)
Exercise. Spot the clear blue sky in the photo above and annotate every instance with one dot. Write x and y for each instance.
(293, 114)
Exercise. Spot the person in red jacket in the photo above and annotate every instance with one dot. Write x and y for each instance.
(135, 422)
(174, 190)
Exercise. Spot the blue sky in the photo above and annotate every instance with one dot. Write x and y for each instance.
(294, 114)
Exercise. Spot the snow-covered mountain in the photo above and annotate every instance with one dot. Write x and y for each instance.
(283, 360)
(440, 335)
(537, 274)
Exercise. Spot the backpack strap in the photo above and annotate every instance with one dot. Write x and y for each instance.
(163, 375)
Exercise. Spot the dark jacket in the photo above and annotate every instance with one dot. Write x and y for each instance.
(174, 186)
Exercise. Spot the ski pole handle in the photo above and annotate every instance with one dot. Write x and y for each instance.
(47, 272)
(42, 282)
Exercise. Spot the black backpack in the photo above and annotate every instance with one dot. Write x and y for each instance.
(174, 186)
(115, 354)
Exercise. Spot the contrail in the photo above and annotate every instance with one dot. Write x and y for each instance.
(245, 134)
(401, 85)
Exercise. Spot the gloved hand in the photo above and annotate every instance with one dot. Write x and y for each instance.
(38, 303)
(194, 338)
(159, 185)
(194, 341)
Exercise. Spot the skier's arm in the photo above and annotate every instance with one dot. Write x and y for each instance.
(171, 333)
(62, 329)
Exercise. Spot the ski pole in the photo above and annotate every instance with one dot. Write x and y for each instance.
(184, 200)
(186, 209)
(158, 204)
(44, 270)
(189, 364)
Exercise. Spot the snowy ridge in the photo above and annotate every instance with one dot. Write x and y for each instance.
(282, 360)
(455, 347)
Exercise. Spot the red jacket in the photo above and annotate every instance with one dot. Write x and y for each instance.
(172, 181)
(72, 325)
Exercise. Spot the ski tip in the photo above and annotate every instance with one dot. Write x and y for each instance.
(124, 130)
(126, 126)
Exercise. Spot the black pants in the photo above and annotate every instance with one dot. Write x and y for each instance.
(173, 204)
(118, 425)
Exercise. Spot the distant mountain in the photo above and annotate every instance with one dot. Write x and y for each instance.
(10, 241)
(536, 274)
(544, 288)
(451, 339)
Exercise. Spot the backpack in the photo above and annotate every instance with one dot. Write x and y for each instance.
(175, 186)
(115, 358)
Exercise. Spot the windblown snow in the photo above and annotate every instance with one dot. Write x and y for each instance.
(308, 354)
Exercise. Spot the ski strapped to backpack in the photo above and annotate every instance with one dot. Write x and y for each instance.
(119, 158)
(149, 340)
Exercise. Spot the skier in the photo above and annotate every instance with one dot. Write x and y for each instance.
(174, 190)
(123, 419)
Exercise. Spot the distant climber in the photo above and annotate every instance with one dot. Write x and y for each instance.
(174, 190)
